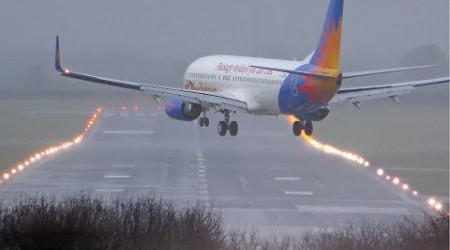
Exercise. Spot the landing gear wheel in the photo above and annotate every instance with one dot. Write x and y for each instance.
(308, 128)
(203, 121)
(222, 128)
(233, 128)
(297, 128)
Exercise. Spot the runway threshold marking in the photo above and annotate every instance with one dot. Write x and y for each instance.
(117, 176)
(128, 132)
(287, 178)
(351, 210)
(307, 193)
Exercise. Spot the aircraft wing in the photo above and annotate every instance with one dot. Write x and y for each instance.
(217, 100)
(357, 95)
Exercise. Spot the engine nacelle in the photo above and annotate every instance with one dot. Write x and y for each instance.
(181, 110)
(316, 116)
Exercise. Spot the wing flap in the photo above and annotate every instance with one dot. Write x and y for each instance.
(215, 99)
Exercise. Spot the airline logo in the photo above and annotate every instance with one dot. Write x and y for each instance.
(200, 86)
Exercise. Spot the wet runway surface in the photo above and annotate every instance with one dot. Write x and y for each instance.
(264, 179)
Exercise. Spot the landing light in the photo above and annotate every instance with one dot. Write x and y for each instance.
(396, 181)
(380, 172)
(431, 201)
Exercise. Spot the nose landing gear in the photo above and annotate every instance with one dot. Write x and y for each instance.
(203, 121)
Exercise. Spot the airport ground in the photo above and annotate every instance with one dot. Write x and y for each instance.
(410, 140)
(264, 178)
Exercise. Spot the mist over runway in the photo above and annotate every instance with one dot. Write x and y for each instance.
(263, 179)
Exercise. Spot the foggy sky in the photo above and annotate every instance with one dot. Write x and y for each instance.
(154, 41)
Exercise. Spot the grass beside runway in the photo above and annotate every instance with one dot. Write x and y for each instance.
(411, 139)
(31, 122)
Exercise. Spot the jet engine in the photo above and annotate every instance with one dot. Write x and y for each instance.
(315, 116)
(181, 110)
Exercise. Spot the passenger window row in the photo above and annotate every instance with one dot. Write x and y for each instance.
(236, 79)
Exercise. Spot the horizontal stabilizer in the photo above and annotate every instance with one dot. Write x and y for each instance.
(383, 71)
(392, 91)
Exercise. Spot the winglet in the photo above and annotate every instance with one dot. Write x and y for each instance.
(57, 57)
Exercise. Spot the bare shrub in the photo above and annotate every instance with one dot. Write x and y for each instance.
(84, 222)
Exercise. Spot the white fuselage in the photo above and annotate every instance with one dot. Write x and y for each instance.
(233, 76)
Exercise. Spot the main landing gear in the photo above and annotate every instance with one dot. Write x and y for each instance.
(226, 125)
(305, 126)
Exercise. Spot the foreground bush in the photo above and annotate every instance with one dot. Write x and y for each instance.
(84, 222)
(88, 223)
(431, 232)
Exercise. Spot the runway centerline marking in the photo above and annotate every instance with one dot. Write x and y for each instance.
(128, 132)
(287, 178)
(116, 176)
(308, 193)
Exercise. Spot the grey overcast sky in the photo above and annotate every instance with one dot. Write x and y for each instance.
(155, 40)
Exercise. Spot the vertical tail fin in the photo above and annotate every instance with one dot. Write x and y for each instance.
(327, 54)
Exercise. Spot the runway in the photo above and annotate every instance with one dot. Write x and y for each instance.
(265, 179)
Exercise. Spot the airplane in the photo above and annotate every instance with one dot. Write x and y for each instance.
(268, 87)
